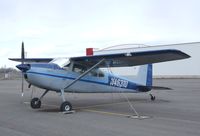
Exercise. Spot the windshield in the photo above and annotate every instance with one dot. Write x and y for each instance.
(62, 62)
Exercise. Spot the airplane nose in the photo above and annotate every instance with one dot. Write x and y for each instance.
(23, 67)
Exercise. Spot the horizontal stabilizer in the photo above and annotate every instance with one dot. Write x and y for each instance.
(148, 88)
(161, 88)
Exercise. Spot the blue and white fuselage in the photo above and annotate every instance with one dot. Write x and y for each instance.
(52, 77)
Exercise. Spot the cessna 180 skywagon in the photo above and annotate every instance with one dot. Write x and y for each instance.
(84, 74)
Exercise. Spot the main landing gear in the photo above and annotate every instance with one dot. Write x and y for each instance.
(152, 97)
(65, 106)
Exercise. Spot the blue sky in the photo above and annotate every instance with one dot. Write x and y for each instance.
(57, 28)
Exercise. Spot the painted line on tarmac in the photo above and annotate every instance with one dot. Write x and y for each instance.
(107, 113)
(98, 105)
(140, 117)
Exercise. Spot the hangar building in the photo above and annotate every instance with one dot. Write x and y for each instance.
(187, 68)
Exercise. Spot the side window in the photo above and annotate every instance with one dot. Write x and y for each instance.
(96, 73)
(66, 67)
(101, 74)
(79, 68)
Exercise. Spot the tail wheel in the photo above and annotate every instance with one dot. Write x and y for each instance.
(152, 97)
(66, 106)
(35, 103)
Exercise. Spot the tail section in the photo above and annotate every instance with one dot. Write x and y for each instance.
(144, 76)
(144, 79)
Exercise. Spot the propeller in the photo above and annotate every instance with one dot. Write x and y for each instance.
(23, 68)
(22, 62)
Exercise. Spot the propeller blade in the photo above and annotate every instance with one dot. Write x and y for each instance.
(22, 53)
(22, 57)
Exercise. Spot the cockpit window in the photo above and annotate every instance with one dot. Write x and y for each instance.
(96, 73)
(81, 69)
(66, 67)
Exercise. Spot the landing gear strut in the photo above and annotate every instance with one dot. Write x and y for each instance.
(152, 97)
(65, 106)
(36, 102)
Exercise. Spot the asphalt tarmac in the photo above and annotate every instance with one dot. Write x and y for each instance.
(174, 112)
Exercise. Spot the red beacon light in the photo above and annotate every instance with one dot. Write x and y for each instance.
(89, 51)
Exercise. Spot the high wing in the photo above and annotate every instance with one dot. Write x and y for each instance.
(121, 59)
(132, 58)
(43, 60)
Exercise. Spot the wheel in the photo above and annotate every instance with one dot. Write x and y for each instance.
(152, 97)
(66, 106)
(35, 103)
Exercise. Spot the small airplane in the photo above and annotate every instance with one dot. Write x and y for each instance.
(85, 75)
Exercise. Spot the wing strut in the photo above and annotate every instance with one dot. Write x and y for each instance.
(85, 73)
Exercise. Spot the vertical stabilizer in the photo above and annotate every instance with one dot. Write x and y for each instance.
(144, 76)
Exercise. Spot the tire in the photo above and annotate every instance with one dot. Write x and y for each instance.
(153, 98)
(35, 103)
(66, 106)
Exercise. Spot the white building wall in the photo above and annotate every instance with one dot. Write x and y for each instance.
(181, 68)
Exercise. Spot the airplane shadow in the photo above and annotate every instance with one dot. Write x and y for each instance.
(91, 103)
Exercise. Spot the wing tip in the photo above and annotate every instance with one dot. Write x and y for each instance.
(183, 54)
(15, 59)
(31, 59)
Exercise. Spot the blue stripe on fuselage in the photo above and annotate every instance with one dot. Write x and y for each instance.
(119, 83)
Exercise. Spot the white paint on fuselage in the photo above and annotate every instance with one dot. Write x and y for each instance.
(55, 80)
